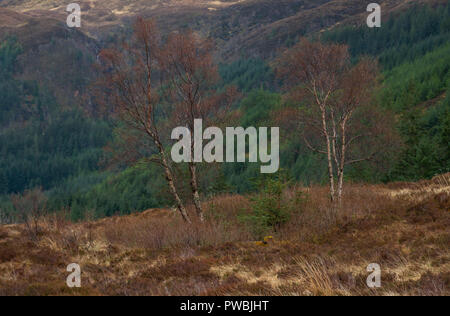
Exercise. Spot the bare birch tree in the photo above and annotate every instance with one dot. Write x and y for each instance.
(336, 114)
(192, 77)
(132, 83)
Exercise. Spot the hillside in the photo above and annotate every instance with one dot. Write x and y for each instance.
(78, 182)
(242, 27)
(401, 226)
(52, 54)
(52, 136)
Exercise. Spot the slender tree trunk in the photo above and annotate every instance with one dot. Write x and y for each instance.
(340, 185)
(342, 162)
(170, 181)
(195, 193)
(329, 156)
(330, 172)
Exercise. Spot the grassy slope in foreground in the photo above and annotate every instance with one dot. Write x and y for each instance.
(403, 227)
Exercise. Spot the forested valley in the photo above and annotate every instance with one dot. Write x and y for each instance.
(61, 149)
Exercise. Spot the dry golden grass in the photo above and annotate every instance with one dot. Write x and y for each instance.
(318, 252)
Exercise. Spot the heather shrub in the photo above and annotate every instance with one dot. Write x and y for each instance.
(30, 208)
